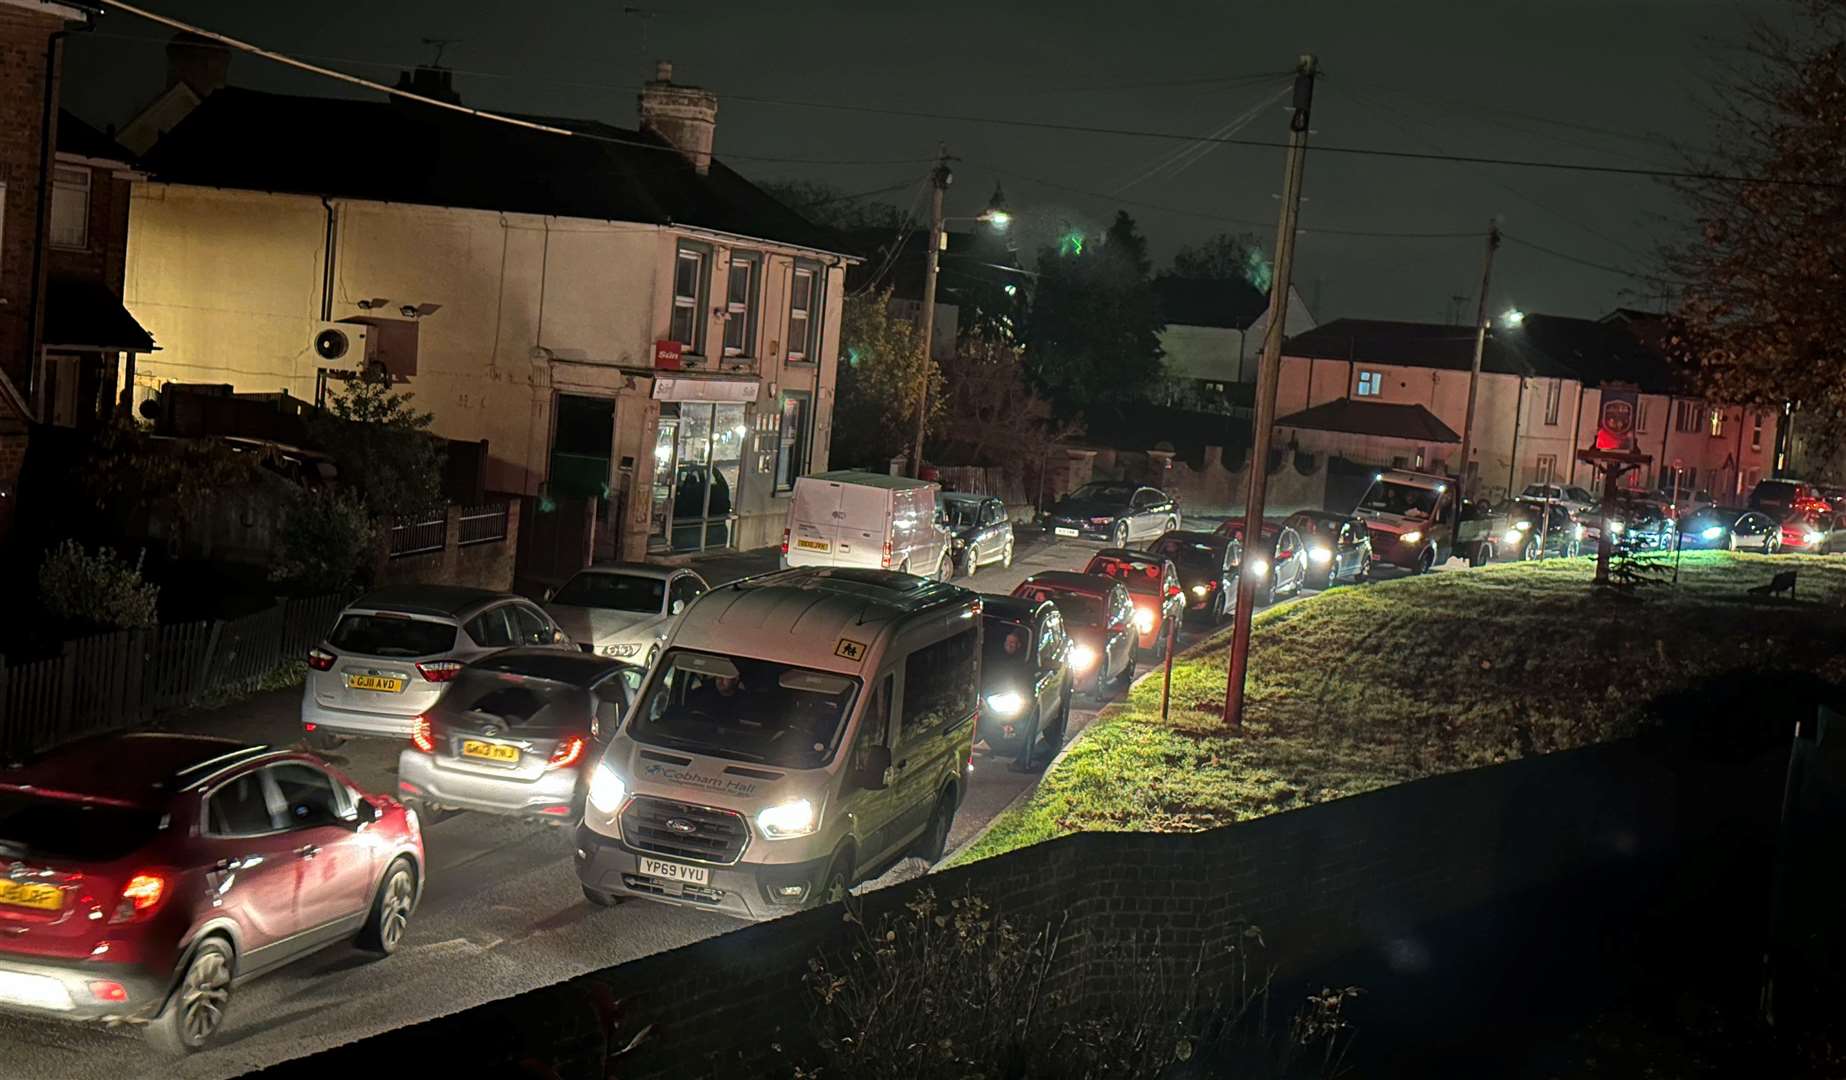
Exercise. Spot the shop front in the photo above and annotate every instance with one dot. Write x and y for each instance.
(699, 445)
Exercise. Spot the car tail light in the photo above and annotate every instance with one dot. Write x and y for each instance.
(439, 670)
(886, 562)
(321, 659)
(785, 541)
(141, 897)
(421, 736)
(108, 990)
(556, 811)
(568, 752)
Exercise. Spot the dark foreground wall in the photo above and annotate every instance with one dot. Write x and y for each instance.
(1325, 882)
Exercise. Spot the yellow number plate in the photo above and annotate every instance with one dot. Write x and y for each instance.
(507, 755)
(32, 895)
(389, 684)
(812, 545)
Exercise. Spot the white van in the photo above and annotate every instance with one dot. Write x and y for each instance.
(849, 518)
(801, 730)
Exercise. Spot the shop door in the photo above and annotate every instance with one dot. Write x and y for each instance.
(707, 467)
(660, 508)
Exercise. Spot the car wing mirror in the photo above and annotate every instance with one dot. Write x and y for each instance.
(364, 813)
(874, 767)
(545, 596)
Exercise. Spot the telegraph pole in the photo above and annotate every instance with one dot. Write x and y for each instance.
(1268, 373)
(1481, 319)
(939, 179)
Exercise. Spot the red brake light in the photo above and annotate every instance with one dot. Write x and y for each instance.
(439, 670)
(421, 736)
(140, 897)
(887, 556)
(321, 659)
(107, 990)
(785, 541)
(569, 752)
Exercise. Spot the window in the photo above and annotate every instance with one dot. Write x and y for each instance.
(803, 312)
(940, 683)
(1640, 415)
(70, 207)
(689, 278)
(740, 304)
(490, 629)
(1547, 469)
(1717, 423)
(241, 808)
(309, 796)
(792, 445)
(391, 635)
(994, 513)
(1756, 431)
(1553, 398)
(1050, 638)
(1686, 418)
(874, 726)
(1371, 383)
(529, 626)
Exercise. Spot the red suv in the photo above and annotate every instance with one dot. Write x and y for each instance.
(143, 876)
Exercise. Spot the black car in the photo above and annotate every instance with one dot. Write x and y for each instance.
(1339, 546)
(1117, 511)
(1099, 620)
(1206, 572)
(980, 531)
(1026, 681)
(1710, 527)
(1528, 532)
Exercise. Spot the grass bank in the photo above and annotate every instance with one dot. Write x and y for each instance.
(1364, 687)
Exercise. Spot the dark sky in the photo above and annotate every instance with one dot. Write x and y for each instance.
(1613, 82)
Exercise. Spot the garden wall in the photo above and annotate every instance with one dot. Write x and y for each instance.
(1341, 879)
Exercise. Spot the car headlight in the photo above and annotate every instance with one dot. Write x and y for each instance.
(793, 818)
(1815, 538)
(1579, 532)
(1144, 619)
(1005, 703)
(1513, 535)
(624, 649)
(1258, 567)
(1523, 526)
(1412, 536)
(606, 790)
(1711, 532)
(1616, 528)
(1320, 555)
(1082, 658)
(1199, 590)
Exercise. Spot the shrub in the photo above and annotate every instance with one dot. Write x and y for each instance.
(328, 540)
(97, 590)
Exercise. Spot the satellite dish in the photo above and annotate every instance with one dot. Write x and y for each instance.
(332, 344)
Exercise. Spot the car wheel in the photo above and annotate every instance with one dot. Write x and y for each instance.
(1531, 551)
(934, 842)
(1365, 570)
(1006, 555)
(195, 1011)
(1572, 550)
(1730, 543)
(390, 919)
(944, 569)
(1426, 561)
(599, 898)
(1118, 537)
(1772, 545)
(1128, 673)
(1027, 748)
(1172, 525)
(321, 740)
(1267, 594)
(1480, 555)
(837, 883)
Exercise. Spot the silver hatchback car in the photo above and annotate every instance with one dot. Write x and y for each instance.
(514, 735)
(392, 653)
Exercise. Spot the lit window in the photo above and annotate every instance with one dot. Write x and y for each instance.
(1371, 383)
(1756, 431)
(740, 305)
(70, 208)
(792, 447)
(689, 298)
(801, 312)
(1717, 422)
(1553, 398)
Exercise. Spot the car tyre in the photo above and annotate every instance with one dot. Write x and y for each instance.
(1530, 553)
(1128, 673)
(389, 921)
(1027, 746)
(195, 1010)
(837, 883)
(1365, 569)
(321, 740)
(1267, 594)
(945, 569)
(934, 843)
(600, 898)
(1772, 545)
(1118, 536)
(1006, 555)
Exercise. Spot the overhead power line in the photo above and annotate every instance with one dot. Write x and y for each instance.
(1641, 275)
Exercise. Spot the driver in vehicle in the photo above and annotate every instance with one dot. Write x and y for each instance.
(714, 693)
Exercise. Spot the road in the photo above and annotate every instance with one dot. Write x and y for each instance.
(502, 913)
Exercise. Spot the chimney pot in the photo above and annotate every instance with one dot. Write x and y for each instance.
(685, 116)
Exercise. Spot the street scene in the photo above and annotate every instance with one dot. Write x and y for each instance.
(593, 541)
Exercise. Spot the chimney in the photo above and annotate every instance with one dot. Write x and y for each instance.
(429, 82)
(197, 61)
(685, 116)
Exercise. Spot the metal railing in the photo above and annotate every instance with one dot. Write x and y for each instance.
(418, 537)
(484, 524)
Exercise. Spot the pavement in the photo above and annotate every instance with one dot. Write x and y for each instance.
(502, 912)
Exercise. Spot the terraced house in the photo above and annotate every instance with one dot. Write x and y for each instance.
(615, 312)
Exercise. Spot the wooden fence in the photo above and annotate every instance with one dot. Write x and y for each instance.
(110, 682)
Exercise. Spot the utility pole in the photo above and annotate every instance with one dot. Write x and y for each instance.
(1474, 382)
(939, 180)
(1268, 374)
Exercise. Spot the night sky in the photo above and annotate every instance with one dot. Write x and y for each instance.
(1613, 82)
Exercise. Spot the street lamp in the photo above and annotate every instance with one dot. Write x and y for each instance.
(1513, 318)
(996, 213)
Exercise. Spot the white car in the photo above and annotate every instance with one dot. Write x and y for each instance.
(624, 610)
(1577, 500)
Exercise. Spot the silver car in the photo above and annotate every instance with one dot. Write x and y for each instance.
(624, 610)
(392, 653)
(514, 734)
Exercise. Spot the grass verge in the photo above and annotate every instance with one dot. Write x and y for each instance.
(1360, 688)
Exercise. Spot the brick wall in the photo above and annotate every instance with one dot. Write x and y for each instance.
(485, 565)
(23, 39)
(1325, 882)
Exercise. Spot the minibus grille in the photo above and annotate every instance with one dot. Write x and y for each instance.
(716, 836)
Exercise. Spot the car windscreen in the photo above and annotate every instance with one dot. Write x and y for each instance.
(962, 513)
(391, 635)
(1104, 492)
(744, 709)
(1405, 500)
(556, 665)
(1137, 575)
(1190, 554)
(49, 828)
(617, 592)
(516, 700)
(1080, 609)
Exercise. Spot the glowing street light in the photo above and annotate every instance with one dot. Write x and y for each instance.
(1513, 318)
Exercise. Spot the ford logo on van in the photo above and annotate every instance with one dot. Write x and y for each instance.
(681, 826)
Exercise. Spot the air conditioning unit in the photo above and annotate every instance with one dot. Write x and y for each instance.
(344, 345)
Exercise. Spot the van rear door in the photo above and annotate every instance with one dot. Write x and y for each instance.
(813, 522)
(864, 525)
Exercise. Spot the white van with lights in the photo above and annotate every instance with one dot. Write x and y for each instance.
(800, 730)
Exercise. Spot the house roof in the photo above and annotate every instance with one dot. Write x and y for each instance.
(85, 315)
(80, 139)
(1228, 304)
(1618, 348)
(1376, 418)
(1426, 345)
(403, 151)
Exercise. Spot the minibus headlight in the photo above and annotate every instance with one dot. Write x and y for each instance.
(606, 790)
(1005, 703)
(1082, 658)
(784, 820)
